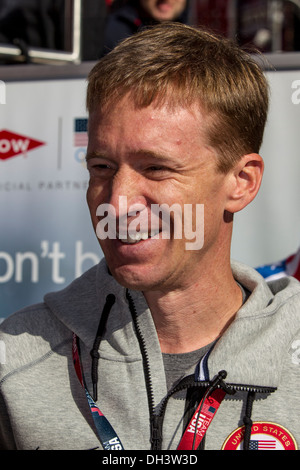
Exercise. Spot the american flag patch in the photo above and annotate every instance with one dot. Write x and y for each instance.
(262, 445)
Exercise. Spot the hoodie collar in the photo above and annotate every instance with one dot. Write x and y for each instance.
(254, 347)
(251, 350)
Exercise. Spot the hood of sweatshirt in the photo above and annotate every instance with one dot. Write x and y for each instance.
(252, 350)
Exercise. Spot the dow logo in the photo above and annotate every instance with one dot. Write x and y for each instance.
(12, 144)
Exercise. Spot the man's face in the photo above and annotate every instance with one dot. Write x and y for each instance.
(139, 159)
(163, 10)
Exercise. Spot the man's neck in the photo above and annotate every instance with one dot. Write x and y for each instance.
(195, 316)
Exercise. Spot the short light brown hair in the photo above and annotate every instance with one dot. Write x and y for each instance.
(179, 65)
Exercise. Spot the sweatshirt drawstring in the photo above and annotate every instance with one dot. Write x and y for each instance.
(247, 419)
(217, 382)
(110, 300)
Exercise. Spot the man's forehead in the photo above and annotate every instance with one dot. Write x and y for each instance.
(171, 100)
(151, 131)
(115, 114)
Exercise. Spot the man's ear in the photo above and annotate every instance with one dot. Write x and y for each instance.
(245, 180)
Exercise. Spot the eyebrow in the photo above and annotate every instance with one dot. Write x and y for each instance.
(91, 155)
(150, 154)
(161, 158)
(134, 153)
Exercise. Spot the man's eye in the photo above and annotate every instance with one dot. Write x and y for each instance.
(102, 166)
(155, 168)
(99, 167)
(158, 171)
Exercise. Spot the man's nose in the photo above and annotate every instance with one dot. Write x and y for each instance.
(127, 194)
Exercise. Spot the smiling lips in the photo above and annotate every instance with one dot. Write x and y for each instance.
(136, 237)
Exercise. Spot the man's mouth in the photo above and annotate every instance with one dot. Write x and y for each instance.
(136, 237)
(164, 6)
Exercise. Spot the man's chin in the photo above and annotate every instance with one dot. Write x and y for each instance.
(133, 278)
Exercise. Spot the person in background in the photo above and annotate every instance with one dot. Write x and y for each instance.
(129, 16)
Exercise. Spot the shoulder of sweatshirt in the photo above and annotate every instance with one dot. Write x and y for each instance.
(43, 328)
(29, 335)
(260, 341)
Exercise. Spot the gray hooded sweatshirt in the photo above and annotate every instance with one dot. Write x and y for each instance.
(43, 405)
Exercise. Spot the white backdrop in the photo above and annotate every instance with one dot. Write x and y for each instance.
(269, 229)
(46, 237)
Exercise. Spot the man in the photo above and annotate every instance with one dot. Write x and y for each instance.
(131, 16)
(165, 344)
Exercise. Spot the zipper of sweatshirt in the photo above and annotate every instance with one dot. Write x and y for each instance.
(156, 420)
(142, 343)
(188, 383)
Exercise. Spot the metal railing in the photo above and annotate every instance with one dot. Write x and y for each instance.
(47, 56)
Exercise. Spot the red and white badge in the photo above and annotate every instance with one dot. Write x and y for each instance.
(264, 436)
